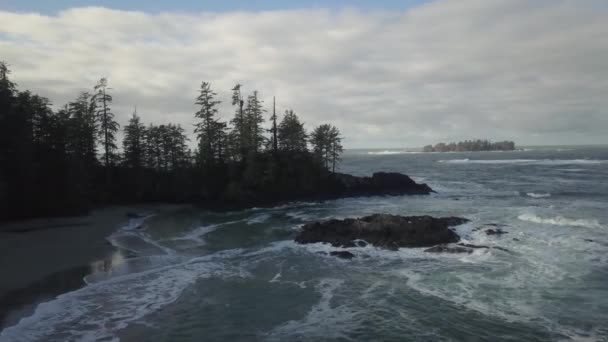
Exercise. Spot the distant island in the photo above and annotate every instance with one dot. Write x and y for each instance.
(471, 146)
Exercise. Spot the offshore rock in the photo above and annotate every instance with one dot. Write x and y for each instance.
(384, 231)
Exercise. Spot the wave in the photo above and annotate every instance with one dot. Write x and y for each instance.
(85, 314)
(526, 161)
(560, 221)
(535, 195)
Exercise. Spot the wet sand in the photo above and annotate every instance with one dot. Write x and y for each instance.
(42, 258)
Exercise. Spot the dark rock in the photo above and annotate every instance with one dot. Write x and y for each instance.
(449, 249)
(342, 254)
(496, 231)
(381, 230)
(472, 246)
(133, 215)
(361, 243)
(380, 183)
(460, 248)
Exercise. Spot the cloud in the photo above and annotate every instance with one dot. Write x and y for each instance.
(535, 72)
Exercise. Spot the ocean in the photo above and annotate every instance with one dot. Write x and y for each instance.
(194, 275)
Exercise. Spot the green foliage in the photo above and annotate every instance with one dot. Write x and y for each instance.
(108, 127)
(133, 142)
(254, 118)
(50, 162)
(291, 134)
(210, 131)
(327, 145)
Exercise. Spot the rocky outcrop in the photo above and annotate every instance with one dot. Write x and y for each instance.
(381, 183)
(382, 230)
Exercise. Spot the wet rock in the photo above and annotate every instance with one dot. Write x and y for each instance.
(384, 231)
(342, 254)
(361, 243)
(449, 249)
(380, 183)
(134, 215)
(461, 248)
(496, 231)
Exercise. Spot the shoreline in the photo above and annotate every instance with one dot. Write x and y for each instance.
(43, 258)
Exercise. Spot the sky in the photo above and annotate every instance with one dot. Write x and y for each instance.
(389, 74)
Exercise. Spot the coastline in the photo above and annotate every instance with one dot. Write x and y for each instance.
(43, 258)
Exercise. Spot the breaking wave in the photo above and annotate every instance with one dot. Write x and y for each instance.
(535, 195)
(525, 161)
(560, 221)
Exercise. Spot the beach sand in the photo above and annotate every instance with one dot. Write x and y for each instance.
(42, 258)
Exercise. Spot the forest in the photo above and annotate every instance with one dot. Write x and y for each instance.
(69, 160)
(471, 146)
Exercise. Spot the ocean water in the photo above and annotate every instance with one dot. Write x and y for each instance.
(199, 276)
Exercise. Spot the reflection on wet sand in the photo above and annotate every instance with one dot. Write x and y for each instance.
(20, 303)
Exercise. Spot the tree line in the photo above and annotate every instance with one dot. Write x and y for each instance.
(65, 161)
(471, 146)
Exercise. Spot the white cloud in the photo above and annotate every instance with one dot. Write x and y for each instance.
(532, 71)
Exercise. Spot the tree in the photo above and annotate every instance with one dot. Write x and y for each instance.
(83, 131)
(327, 146)
(253, 122)
(335, 147)
(133, 142)
(238, 136)
(210, 131)
(274, 130)
(108, 127)
(291, 134)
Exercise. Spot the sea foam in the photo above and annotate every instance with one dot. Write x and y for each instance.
(560, 221)
(526, 161)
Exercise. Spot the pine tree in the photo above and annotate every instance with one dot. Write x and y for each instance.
(274, 138)
(291, 134)
(327, 147)
(108, 127)
(335, 147)
(133, 142)
(253, 122)
(238, 136)
(209, 130)
(83, 131)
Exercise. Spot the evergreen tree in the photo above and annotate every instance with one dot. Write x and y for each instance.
(133, 142)
(209, 130)
(335, 147)
(291, 134)
(108, 127)
(274, 138)
(238, 136)
(254, 118)
(83, 131)
(327, 147)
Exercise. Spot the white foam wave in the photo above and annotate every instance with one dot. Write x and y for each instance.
(322, 321)
(258, 219)
(98, 311)
(526, 161)
(560, 221)
(537, 195)
(197, 233)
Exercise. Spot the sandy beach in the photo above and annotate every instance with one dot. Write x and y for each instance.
(42, 258)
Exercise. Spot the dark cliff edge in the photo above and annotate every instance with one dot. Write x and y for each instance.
(331, 186)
